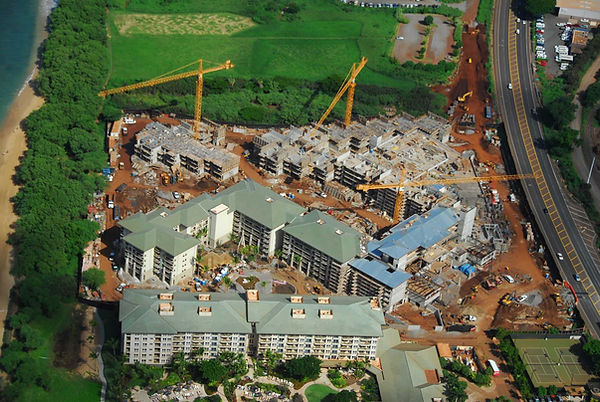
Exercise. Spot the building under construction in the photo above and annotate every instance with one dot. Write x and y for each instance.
(176, 147)
(376, 151)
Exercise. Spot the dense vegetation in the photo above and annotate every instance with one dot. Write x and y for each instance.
(591, 348)
(287, 70)
(539, 7)
(477, 378)
(485, 12)
(455, 388)
(514, 363)
(557, 113)
(58, 175)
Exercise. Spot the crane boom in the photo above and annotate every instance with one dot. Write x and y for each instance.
(199, 74)
(453, 180)
(349, 82)
(156, 81)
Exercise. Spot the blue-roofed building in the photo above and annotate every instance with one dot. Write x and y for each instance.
(371, 277)
(382, 273)
(412, 236)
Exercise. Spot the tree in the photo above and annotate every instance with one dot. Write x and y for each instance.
(342, 396)
(270, 361)
(539, 7)
(303, 368)
(94, 278)
(541, 391)
(455, 389)
(369, 390)
(558, 113)
(30, 337)
(112, 344)
(212, 371)
(592, 349)
(180, 365)
(428, 20)
(552, 390)
(298, 260)
(16, 321)
(336, 378)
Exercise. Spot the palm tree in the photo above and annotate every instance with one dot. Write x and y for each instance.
(112, 344)
(298, 260)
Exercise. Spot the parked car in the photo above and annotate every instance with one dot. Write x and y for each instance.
(176, 195)
(522, 298)
(577, 278)
(560, 256)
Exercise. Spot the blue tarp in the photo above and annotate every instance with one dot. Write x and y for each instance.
(467, 269)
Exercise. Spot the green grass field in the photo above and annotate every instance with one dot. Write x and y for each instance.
(64, 385)
(316, 392)
(325, 39)
(552, 361)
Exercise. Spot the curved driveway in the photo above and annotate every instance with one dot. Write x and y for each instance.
(513, 64)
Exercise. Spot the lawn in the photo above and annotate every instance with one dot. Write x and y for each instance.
(324, 39)
(316, 392)
(64, 386)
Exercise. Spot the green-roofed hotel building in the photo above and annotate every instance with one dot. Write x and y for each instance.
(156, 324)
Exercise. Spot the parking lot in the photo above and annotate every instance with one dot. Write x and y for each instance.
(552, 37)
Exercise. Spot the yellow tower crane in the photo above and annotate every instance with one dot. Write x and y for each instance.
(161, 79)
(428, 182)
(348, 85)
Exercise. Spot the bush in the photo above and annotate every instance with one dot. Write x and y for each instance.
(303, 368)
(484, 12)
(428, 20)
(336, 378)
(441, 10)
(514, 363)
(93, 278)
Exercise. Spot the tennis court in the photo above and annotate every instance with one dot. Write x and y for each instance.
(551, 361)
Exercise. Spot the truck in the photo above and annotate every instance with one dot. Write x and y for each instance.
(116, 212)
(488, 112)
(566, 57)
(494, 367)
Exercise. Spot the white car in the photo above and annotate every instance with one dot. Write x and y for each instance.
(509, 279)
(176, 195)
(560, 256)
(522, 298)
(510, 85)
(400, 37)
(517, 31)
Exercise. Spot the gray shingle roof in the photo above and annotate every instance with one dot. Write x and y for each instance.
(403, 366)
(138, 313)
(259, 203)
(326, 234)
(352, 315)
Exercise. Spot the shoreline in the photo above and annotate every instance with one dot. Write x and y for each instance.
(13, 144)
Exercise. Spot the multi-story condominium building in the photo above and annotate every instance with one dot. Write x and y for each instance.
(371, 277)
(155, 325)
(164, 242)
(153, 247)
(320, 247)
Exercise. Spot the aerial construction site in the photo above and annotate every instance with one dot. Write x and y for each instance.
(440, 238)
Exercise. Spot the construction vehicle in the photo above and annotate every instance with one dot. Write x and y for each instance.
(506, 299)
(469, 60)
(454, 180)
(464, 96)
(164, 178)
(161, 79)
(348, 85)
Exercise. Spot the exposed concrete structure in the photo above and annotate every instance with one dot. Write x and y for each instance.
(175, 146)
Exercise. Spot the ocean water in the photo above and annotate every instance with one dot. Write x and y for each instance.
(20, 34)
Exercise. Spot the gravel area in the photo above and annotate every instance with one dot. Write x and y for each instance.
(441, 39)
(413, 34)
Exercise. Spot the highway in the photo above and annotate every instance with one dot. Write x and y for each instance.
(513, 64)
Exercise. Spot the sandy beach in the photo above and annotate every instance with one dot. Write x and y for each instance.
(12, 146)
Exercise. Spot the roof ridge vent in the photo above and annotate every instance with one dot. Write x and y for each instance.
(164, 214)
(269, 199)
(339, 232)
(320, 221)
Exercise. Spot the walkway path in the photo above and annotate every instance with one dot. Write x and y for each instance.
(100, 338)
(588, 79)
(584, 155)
